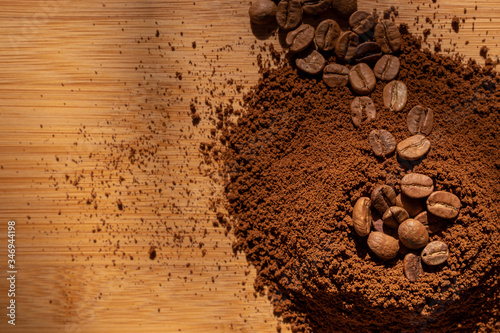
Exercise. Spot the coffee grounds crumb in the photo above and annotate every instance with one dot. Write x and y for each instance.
(483, 52)
(455, 24)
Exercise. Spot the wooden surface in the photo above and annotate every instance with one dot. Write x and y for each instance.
(99, 158)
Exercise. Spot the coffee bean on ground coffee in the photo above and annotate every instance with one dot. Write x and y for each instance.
(296, 165)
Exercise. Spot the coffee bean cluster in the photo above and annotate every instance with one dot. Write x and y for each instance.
(401, 223)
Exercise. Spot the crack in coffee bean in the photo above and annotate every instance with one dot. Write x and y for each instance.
(388, 36)
(387, 67)
(300, 38)
(289, 14)
(414, 147)
(416, 185)
(361, 22)
(335, 75)
(382, 142)
(435, 253)
(362, 79)
(312, 62)
(326, 35)
(395, 95)
(420, 120)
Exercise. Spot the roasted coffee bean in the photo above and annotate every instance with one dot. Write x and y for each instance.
(361, 22)
(335, 75)
(384, 246)
(412, 234)
(395, 95)
(368, 52)
(443, 204)
(345, 8)
(394, 216)
(416, 185)
(363, 110)
(327, 34)
(435, 253)
(387, 68)
(315, 7)
(311, 62)
(431, 222)
(300, 38)
(346, 46)
(262, 12)
(412, 266)
(289, 14)
(362, 79)
(383, 197)
(413, 148)
(382, 142)
(412, 206)
(388, 36)
(362, 216)
(420, 120)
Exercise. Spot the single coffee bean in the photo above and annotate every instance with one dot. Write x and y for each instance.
(335, 75)
(394, 216)
(395, 95)
(300, 38)
(413, 234)
(384, 246)
(289, 14)
(383, 197)
(387, 68)
(435, 253)
(262, 12)
(416, 185)
(315, 7)
(388, 36)
(327, 34)
(431, 222)
(368, 52)
(361, 22)
(414, 147)
(311, 62)
(362, 79)
(345, 8)
(362, 216)
(382, 142)
(363, 110)
(443, 204)
(412, 266)
(346, 46)
(420, 120)
(412, 206)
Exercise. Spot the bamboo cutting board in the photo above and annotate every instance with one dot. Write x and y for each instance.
(99, 161)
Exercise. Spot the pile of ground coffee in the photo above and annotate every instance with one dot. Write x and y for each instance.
(296, 164)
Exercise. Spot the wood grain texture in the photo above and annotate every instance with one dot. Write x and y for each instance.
(99, 158)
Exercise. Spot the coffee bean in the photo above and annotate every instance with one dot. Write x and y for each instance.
(395, 95)
(431, 222)
(443, 204)
(412, 206)
(362, 79)
(383, 197)
(361, 22)
(262, 12)
(362, 216)
(414, 147)
(435, 253)
(345, 8)
(300, 38)
(387, 68)
(327, 34)
(388, 36)
(311, 62)
(335, 75)
(412, 266)
(346, 46)
(289, 14)
(363, 110)
(384, 246)
(382, 142)
(416, 185)
(420, 120)
(394, 216)
(368, 52)
(315, 7)
(413, 234)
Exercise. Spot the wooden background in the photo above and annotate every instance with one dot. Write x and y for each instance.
(99, 158)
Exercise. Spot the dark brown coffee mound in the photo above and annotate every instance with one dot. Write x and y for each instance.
(296, 165)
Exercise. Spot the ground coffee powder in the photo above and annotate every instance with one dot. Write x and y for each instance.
(296, 164)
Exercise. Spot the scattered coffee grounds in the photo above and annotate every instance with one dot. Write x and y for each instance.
(296, 165)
